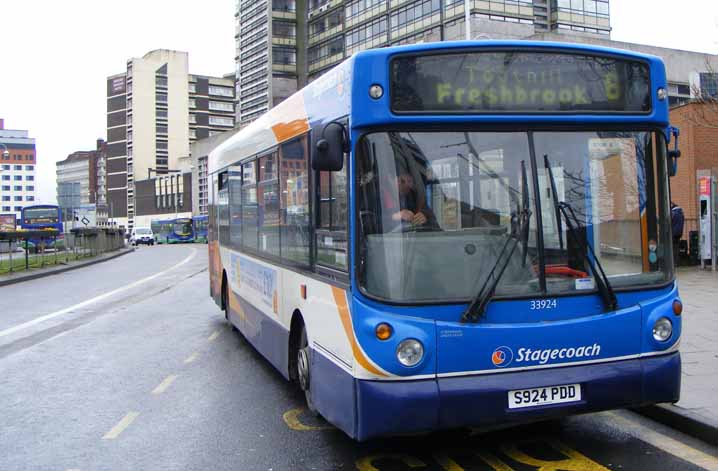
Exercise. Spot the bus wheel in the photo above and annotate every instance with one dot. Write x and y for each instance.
(225, 298)
(303, 370)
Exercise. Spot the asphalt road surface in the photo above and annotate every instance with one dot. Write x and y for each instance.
(128, 364)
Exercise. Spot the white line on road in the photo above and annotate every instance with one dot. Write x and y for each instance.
(664, 442)
(214, 335)
(121, 426)
(162, 387)
(47, 317)
(191, 358)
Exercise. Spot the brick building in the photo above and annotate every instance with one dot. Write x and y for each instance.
(698, 143)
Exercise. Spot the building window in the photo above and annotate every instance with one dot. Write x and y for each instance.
(17, 177)
(18, 208)
(17, 188)
(284, 55)
(413, 13)
(283, 29)
(6, 198)
(18, 167)
(709, 84)
(192, 87)
(30, 188)
(6, 208)
(161, 97)
(333, 47)
(161, 81)
(192, 103)
(221, 106)
(6, 177)
(29, 167)
(220, 121)
(6, 188)
(18, 198)
(284, 5)
(29, 178)
(161, 129)
(360, 6)
(29, 198)
(192, 118)
(28, 157)
(221, 91)
(365, 34)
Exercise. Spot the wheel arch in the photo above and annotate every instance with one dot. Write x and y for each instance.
(295, 328)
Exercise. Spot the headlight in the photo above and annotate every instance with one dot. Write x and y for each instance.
(410, 352)
(662, 329)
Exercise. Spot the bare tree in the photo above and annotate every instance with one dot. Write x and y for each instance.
(705, 114)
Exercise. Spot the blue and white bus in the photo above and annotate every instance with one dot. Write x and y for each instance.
(173, 231)
(199, 225)
(446, 235)
(39, 217)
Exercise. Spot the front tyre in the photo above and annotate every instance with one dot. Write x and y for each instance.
(303, 370)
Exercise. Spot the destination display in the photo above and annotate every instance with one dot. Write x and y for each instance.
(518, 82)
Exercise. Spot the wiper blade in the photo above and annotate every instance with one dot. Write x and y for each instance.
(476, 309)
(604, 285)
(564, 209)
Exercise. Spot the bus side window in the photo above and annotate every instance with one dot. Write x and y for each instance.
(294, 201)
(332, 210)
(222, 208)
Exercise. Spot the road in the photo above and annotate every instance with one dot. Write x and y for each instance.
(129, 365)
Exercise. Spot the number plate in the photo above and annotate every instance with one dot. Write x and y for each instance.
(542, 396)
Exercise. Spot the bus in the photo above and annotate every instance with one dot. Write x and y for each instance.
(173, 231)
(199, 225)
(43, 216)
(466, 234)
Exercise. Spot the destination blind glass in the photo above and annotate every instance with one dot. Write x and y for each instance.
(518, 82)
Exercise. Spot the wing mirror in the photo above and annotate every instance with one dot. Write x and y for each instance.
(331, 147)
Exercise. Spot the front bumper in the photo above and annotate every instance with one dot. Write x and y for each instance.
(389, 408)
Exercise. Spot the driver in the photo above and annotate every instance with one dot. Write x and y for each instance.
(410, 208)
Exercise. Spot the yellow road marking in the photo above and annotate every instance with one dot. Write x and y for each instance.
(121, 426)
(291, 418)
(573, 461)
(664, 442)
(191, 358)
(162, 387)
(367, 463)
(214, 335)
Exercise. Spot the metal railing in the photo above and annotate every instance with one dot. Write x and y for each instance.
(26, 250)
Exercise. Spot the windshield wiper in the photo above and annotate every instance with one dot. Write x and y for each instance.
(519, 234)
(564, 209)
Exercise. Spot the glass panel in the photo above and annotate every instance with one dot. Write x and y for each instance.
(294, 183)
(437, 208)
(249, 205)
(608, 180)
(268, 198)
(331, 233)
(235, 206)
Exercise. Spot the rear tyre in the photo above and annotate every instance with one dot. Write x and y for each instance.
(303, 370)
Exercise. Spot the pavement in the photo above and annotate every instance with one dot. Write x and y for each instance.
(21, 275)
(697, 410)
(129, 364)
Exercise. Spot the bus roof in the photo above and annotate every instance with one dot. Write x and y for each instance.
(343, 91)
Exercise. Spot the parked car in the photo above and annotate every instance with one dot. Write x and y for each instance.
(142, 235)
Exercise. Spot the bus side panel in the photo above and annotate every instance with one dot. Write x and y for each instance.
(215, 272)
(333, 392)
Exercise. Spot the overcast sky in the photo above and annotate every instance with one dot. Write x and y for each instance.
(55, 55)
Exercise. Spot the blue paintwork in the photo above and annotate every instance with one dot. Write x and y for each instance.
(49, 242)
(333, 392)
(476, 401)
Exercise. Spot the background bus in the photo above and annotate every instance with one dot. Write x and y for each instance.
(43, 216)
(173, 231)
(199, 224)
(500, 254)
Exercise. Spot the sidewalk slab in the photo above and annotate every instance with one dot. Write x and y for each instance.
(696, 413)
(35, 273)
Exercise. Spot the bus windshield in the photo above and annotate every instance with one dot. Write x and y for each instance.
(183, 227)
(436, 208)
(40, 216)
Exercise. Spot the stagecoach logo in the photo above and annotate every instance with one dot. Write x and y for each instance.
(502, 357)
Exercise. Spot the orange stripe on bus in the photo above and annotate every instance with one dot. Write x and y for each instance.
(294, 121)
(341, 301)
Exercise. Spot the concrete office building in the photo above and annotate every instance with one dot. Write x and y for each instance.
(18, 161)
(155, 109)
(200, 153)
(283, 44)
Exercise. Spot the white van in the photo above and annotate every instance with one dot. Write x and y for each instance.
(142, 235)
